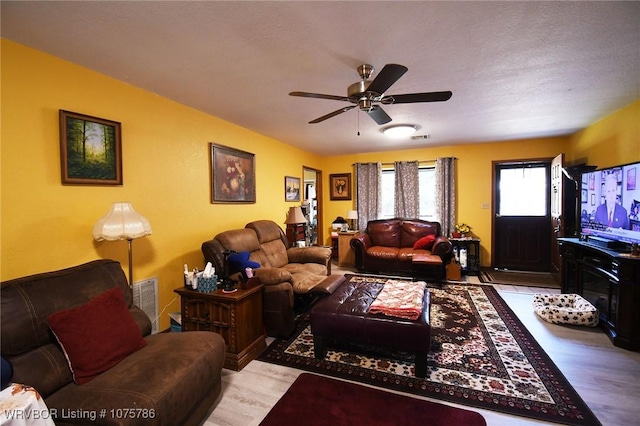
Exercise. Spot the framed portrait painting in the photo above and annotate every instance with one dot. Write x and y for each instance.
(90, 150)
(233, 175)
(340, 186)
(291, 188)
(631, 179)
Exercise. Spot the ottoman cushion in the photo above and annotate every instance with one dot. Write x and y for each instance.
(565, 309)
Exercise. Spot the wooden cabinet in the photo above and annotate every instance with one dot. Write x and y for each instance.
(334, 247)
(236, 316)
(346, 256)
(610, 281)
(296, 232)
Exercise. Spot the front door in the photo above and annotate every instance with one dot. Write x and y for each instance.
(522, 220)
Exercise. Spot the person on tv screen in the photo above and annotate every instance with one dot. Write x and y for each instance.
(611, 213)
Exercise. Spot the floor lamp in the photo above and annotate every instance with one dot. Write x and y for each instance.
(122, 222)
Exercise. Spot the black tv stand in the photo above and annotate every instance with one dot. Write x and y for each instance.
(610, 281)
(606, 243)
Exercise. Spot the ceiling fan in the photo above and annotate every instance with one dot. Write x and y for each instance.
(367, 94)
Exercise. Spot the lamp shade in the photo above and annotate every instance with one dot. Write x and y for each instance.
(122, 222)
(352, 214)
(295, 216)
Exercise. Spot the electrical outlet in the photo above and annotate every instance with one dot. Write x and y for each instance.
(485, 205)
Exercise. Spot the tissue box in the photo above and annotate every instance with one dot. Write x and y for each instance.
(207, 285)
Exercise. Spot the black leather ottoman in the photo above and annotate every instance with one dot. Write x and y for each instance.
(344, 316)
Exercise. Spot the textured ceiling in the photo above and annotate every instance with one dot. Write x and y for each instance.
(516, 69)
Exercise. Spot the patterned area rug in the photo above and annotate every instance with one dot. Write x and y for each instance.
(529, 279)
(481, 356)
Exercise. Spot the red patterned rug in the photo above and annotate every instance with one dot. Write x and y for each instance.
(318, 401)
(481, 356)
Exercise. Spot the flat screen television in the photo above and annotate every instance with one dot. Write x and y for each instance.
(610, 205)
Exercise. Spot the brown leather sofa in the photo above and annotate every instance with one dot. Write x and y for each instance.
(289, 274)
(173, 380)
(387, 246)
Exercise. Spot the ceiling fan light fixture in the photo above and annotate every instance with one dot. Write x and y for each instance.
(400, 130)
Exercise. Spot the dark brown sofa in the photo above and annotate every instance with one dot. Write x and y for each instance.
(386, 246)
(289, 274)
(173, 380)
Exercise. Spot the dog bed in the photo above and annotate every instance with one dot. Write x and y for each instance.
(565, 309)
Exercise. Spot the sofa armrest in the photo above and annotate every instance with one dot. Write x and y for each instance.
(271, 276)
(360, 242)
(443, 248)
(312, 254)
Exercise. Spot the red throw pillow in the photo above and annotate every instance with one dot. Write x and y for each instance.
(425, 242)
(98, 335)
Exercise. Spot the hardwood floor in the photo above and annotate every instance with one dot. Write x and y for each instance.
(606, 377)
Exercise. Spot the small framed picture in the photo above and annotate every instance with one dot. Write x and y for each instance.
(340, 186)
(631, 179)
(291, 188)
(90, 150)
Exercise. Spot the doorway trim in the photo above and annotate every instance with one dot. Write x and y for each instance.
(319, 201)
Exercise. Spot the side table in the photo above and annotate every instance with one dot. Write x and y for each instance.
(236, 316)
(472, 247)
(346, 256)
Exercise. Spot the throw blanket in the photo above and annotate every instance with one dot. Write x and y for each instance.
(401, 299)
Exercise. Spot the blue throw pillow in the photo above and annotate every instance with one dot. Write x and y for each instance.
(6, 371)
(239, 261)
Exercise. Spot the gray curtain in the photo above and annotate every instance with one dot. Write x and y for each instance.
(446, 193)
(368, 192)
(407, 189)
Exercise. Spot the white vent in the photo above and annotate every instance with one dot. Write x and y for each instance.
(145, 296)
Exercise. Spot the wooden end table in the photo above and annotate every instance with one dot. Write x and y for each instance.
(236, 316)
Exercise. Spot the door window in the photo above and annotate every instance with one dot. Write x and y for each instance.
(523, 191)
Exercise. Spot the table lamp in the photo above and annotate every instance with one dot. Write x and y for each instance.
(352, 216)
(294, 217)
(122, 222)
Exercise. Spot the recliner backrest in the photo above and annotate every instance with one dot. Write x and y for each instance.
(273, 243)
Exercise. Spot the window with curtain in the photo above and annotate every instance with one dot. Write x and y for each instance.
(427, 184)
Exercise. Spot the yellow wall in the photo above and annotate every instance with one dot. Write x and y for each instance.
(474, 171)
(610, 141)
(47, 226)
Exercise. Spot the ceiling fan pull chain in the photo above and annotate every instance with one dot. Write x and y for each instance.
(358, 121)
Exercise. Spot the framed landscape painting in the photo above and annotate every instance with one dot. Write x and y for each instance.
(233, 175)
(90, 150)
(291, 188)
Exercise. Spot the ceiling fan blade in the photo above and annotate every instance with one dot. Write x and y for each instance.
(386, 77)
(319, 96)
(332, 114)
(378, 115)
(421, 97)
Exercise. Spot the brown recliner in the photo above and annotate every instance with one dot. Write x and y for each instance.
(284, 272)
